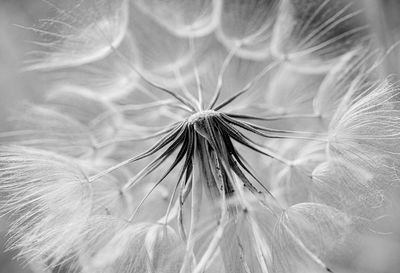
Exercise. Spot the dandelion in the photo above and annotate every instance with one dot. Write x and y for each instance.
(189, 136)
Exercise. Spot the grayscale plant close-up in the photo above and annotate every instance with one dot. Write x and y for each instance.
(203, 136)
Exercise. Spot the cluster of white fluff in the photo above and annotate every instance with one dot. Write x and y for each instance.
(200, 136)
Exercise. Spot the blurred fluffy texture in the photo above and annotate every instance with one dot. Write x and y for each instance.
(120, 138)
(13, 87)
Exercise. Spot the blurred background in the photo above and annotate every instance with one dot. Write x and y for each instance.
(378, 254)
(13, 85)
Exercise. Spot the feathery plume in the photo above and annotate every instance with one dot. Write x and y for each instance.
(184, 18)
(246, 27)
(81, 32)
(49, 199)
(312, 34)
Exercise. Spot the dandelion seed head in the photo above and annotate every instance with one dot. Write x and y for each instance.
(201, 136)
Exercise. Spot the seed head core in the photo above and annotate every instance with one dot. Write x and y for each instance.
(199, 116)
